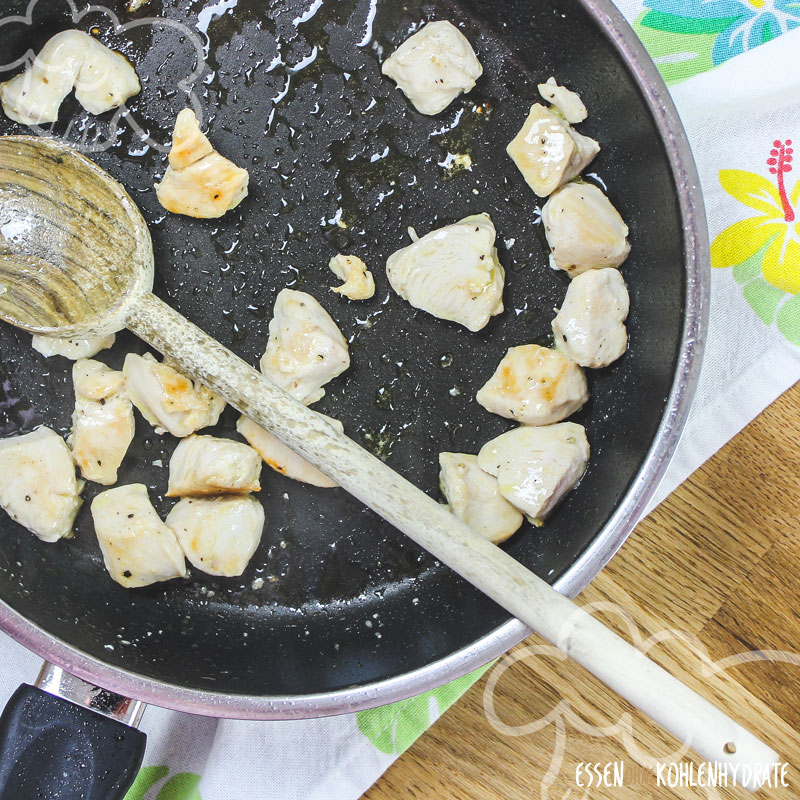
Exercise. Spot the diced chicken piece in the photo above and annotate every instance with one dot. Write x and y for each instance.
(549, 152)
(590, 327)
(282, 458)
(199, 182)
(452, 273)
(535, 386)
(103, 79)
(218, 534)
(102, 423)
(135, 5)
(568, 103)
(305, 349)
(204, 465)
(138, 548)
(584, 230)
(38, 487)
(474, 497)
(168, 400)
(536, 466)
(358, 281)
(434, 66)
(71, 348)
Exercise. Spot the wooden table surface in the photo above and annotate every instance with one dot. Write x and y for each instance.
(717, 561)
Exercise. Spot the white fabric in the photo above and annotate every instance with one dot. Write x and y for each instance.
(729, 113)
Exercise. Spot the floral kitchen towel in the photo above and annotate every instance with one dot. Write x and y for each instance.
(743, 117)
(687, 37)
(742, 120)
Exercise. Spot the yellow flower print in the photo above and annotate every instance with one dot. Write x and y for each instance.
(775, 223)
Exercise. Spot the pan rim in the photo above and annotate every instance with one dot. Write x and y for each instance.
(594, 558)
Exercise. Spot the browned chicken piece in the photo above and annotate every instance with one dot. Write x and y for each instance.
(535, 386)
(199, 182)
(168, 400)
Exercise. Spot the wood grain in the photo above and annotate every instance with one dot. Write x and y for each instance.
(716, 561)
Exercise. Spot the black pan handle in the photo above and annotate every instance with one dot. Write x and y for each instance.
(56, 749)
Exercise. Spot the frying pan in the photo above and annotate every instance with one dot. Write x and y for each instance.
(337, 611)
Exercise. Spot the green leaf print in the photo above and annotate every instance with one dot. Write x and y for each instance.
(751, 267)
(393, 729)
(145, 780)
(763, 298)
(789, 319)
(181, 786)
(678, 54)
(670, 23)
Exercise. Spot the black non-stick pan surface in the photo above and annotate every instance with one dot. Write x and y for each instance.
(339, 161)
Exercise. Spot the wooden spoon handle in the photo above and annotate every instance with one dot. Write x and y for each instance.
(620, 666)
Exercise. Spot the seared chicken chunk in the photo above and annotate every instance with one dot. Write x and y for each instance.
(535, 386)
(590, 327)
(281, 457)
(452, 273)
(358, 281)
(71, 348)
(218, 534)
(199, 182)
(102, 423)
(207, 465)
(536, 466)
(138, 548)
(38, 487)
(474, 497)
(305, 349)
(168, 400)
(549, 152)
(434, 66)
(568, 104)
(102, 78)
(584, 230)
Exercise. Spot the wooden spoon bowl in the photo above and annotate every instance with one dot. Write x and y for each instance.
(75, 251)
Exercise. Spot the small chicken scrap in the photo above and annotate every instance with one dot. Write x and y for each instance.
(590, 327)
(168, 400)
(135, 5)
(38, 487)
(536, 466)
(199, 182)
(567, 103)
(305, 349)
(358, 281)
(452, 273)
(138, 548)
(281, 457)
(583, 229)
(71, 348)
(103, 79)
(535, 386)
(102, 423)
(434, 66)
(549, 152)
(474, 497)
(218, 534)
(203, 465)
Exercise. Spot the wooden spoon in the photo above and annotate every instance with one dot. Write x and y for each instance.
(76, 260)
